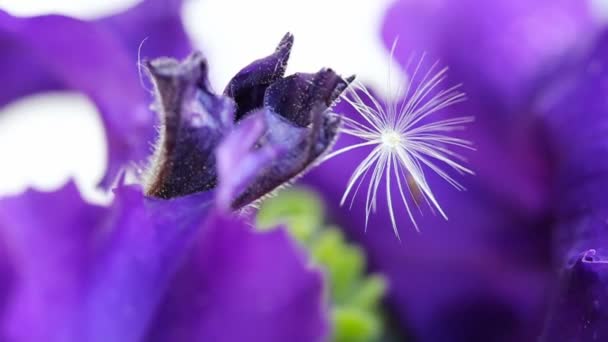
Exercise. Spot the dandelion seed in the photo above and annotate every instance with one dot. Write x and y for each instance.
(404, 141)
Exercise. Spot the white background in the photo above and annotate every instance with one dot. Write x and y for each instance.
(47, 139)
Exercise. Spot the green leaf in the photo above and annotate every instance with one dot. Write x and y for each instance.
(354, 325)
(301, 211)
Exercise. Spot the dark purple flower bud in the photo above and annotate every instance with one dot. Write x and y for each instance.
(294, 114)
(296, 96)
(296, 110)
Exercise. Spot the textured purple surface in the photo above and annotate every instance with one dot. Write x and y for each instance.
(292, 114)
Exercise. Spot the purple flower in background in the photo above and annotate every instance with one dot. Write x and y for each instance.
(97, 58)
(573, 107)
(492, 272)
(504, 42)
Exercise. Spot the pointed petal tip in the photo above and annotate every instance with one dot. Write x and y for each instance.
(283, 50)
(194, 65)
(286, 42)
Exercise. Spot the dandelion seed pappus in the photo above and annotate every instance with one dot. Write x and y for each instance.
(405, 140)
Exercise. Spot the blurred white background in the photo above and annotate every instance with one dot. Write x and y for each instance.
(47, 139)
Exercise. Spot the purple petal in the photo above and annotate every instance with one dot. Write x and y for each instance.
(578, 312)
(495, 53)
(575, 116)
(238, 285)
(300, 148)
(158, 22)
(296, 96)
(249, 85)
(41, 299)
(238, 164)
(479, 275)
(143, 267)
(521, 37)
(135, 267)
(194, 121)
(98, 59)
(299, 121)
(297, 113)
(111, 83)
(88, 273)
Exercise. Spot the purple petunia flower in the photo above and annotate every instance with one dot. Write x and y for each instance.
(174, 264)
(150, 270)
(522, 257)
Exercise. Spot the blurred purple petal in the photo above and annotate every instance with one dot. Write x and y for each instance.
(574, 110)
(158, 22)
(238, 285)
(484, 274)
(88, 273)
(98, 59)
(494, 56)
(111, 83)
(481, 276)
(40, 300)
(504, 42)
(578, 311)
(80, 272)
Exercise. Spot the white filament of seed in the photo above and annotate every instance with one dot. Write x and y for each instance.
(403, 143)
